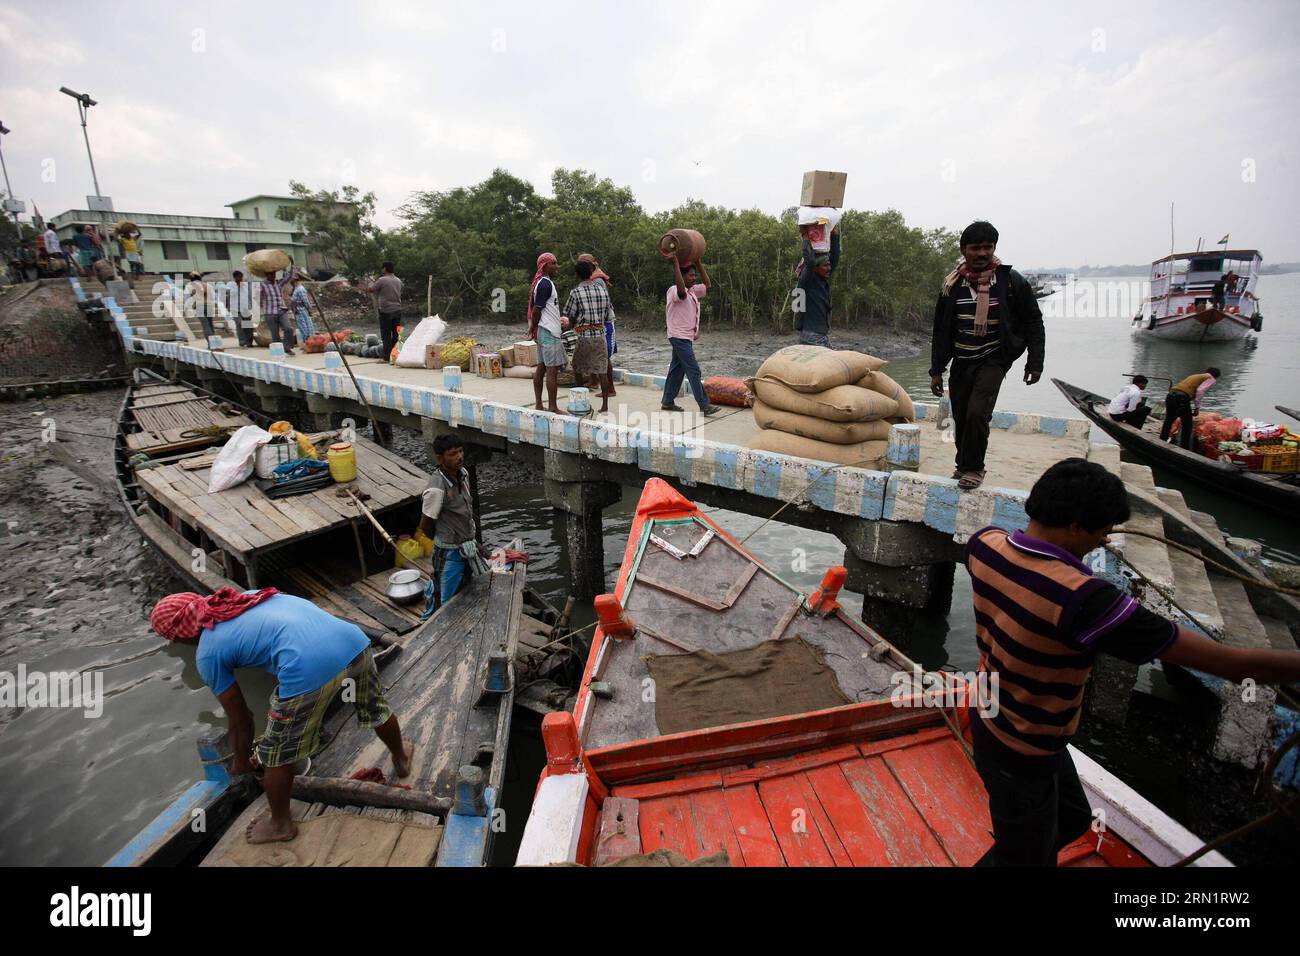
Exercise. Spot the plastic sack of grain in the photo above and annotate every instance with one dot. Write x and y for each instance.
(839, 433)
(726, 390)
(812, 368)
(843, 403)
(881, 383)
(867, 454)
(265, 263)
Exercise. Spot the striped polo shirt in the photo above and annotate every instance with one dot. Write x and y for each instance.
(1040, 619)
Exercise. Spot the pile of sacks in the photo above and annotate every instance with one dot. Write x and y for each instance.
(815, 402)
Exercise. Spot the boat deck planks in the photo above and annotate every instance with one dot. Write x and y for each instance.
(246, 522)
(345, 836)
(912, 800)
(432, 685)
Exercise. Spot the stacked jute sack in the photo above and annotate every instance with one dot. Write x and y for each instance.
(815, 402)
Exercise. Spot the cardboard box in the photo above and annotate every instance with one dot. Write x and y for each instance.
(433, 356)
(821, 188)
(527, 353)
(507, 356)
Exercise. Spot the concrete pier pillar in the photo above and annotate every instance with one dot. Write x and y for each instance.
(580, 500)
(904, 452)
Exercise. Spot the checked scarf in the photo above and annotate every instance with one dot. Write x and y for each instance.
(981, 282)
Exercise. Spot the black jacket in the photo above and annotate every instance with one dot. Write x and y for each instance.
(1020, 325)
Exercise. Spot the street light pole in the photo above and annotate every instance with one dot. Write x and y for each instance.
(8, 190)
(84, 102)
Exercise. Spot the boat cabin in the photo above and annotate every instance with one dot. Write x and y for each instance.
(1183, 283)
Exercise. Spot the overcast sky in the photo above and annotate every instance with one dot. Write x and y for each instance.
(1071, 127)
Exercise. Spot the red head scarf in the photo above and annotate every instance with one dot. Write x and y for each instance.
(184, 616)
(545, 259)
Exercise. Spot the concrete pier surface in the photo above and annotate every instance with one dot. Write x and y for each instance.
(1017, 455)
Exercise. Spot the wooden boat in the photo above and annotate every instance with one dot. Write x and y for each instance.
(1180, 306)
(878, 780)
(1276, 492)
(448, 679)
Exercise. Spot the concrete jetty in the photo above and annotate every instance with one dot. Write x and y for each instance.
(902, 530)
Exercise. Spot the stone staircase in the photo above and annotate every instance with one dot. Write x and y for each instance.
(155, 316)
(1214, 603)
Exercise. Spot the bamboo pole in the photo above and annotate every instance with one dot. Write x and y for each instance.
(363, 793)
(370, 412)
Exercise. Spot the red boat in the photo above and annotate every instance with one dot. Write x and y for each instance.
(722, 710)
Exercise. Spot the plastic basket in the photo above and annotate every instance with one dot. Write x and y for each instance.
(1283, 460)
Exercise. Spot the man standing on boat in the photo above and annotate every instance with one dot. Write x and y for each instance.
(987, 317)
(313, 656)
(1040, 620)
(447, 518)
(1128, 406)
(1183, 403)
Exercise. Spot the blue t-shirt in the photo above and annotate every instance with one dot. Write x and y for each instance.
(303, 646)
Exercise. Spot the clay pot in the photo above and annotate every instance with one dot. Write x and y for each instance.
(686, 244)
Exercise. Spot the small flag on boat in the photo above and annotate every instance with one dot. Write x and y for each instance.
(1224, 240)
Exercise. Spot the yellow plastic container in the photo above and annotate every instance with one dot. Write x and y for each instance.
(305, 448)
(425, 542)
(408, 549)
(343, 461)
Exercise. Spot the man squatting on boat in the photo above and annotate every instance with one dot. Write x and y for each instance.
(310, 652)
(1040, 620)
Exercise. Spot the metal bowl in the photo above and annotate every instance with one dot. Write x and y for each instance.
(406, 586)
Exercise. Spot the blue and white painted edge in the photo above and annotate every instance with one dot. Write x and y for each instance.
(863, 493)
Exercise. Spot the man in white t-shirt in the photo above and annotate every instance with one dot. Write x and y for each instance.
(544, 325)
(1128, 406)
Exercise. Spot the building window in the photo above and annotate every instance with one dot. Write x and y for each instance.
(174, 251)
(236, 213)
(284, 213)
(218, 251)
(256, 214)
(254, 247)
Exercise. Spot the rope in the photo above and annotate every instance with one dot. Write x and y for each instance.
(795, 500)
(1154, 586)
(1224, 569)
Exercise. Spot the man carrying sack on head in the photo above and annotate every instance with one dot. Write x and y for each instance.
(447, 518)
(985, 319)
(312, 655)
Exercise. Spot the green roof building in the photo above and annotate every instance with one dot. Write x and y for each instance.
(206, 243)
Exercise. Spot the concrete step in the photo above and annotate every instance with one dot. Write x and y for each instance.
(1148, 556)
(1105, 455)
(1192, 587)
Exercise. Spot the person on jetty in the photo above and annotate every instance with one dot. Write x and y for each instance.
(611, 340)
(589, 308)
(387, 290)
(813, 304)
(987, 317)
(1183, 403)
(682, 314)
(311, 653)
(274, 313)
(546, 328)
(1040, 620)
(1129, 406)
(447, 518)
(300, 302)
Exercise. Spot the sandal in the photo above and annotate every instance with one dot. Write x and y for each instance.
(970, 480)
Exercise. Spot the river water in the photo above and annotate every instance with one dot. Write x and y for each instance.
(79, 584)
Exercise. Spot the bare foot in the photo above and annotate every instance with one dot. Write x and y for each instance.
(263, 830)
(604, 406)
(402, 768)
(554, 408)
(540, 407)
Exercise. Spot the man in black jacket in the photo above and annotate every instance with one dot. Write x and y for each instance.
(985, 319)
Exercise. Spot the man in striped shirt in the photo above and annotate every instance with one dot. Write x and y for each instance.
(987, 317)
(1040, 620)
(589, 308)
(275, 313)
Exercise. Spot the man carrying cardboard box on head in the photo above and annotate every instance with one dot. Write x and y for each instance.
(819, 226)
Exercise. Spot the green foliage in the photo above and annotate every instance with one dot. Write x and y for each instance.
(474, 240)
(338, 224)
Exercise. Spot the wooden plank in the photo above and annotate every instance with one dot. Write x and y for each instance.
(825, 829)
(619, 833)
(666, 824)
(390, 618)
(906, 833)
(712, 825)
(788, 812)
(847, 815)
(758, 845)
(948, 794)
